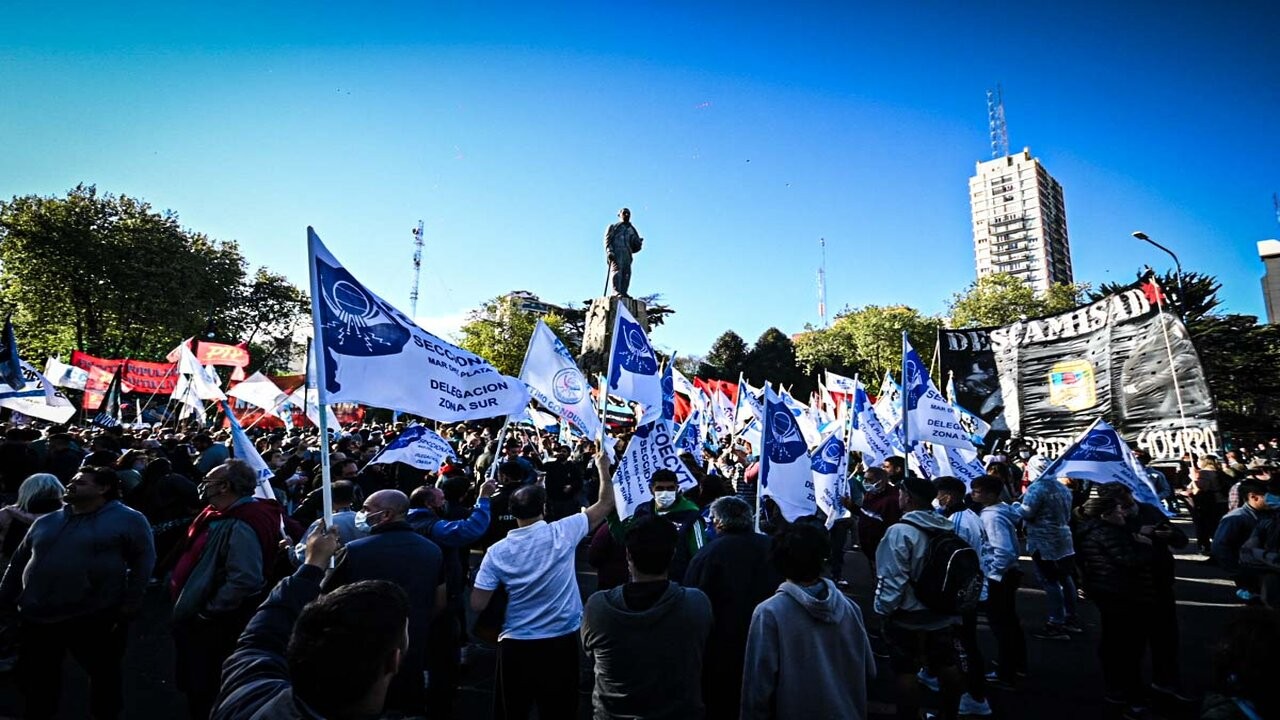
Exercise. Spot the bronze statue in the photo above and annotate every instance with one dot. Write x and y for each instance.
(621, 241)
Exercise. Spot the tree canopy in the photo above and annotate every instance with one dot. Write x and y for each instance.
(1001, 298)
(108, 275)
(868, 341)
(499, 331)
(726, 359)
(773, 359)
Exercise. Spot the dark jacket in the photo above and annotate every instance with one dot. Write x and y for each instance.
(691, 529)
(1162, 571)
(1113, 563)
(453, 537)
(558, 475)
(735, 574)
(71, 565)
(628, 644)
(1233, 530)
(255, 679)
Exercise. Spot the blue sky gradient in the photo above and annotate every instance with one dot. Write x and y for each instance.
(737, 133)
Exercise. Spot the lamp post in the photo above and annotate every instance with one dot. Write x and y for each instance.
(1181, 294)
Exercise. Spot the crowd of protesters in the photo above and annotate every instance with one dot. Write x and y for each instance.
(277, 613)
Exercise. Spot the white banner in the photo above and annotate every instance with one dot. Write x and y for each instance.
(37, 398)
(651, 448)
(64, 375)
(786, 473)
(554, 380)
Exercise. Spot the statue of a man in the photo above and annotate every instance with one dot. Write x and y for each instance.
(621, 241)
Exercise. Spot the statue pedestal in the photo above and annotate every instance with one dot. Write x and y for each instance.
(598, 330)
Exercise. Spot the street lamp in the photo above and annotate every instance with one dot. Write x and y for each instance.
(1181, 294)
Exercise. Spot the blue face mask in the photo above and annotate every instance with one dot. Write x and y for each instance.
(1273, 501)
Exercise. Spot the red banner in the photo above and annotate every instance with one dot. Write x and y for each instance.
(212, 353)
(139, 376)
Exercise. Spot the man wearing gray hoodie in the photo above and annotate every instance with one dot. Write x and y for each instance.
(917, 636)
(647, 637)
(807, 650)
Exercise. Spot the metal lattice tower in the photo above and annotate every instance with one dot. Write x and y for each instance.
(417, 269)
(995, 122)
(822, 283)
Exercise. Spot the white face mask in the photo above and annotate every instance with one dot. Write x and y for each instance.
(664, 498)
(362, 521)
(937, 505)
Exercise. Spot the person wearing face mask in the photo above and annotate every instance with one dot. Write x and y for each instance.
(223, 572)
(394, 551)
(879, 509)
(668, 503)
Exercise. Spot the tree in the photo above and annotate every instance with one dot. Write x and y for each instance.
(499, 331)
(876, 334)
(819, 349)
(108, 275)
(726, 359)
(773, 359)
(1001, 298)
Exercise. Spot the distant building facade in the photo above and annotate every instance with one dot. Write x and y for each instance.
(1269, 251)
(1019, 221)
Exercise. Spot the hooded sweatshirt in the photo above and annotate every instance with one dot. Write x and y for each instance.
(648, 661)
(899, 559)
(807, 656)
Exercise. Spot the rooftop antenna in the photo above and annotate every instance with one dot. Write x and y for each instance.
(995, 121)
(417, 269)
(822, 283)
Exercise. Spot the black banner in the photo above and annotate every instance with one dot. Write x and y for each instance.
(1046, 379)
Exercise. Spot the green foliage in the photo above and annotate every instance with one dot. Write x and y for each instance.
(773, 359)
(867, 341)
(108, 275)
(827, 349)
(1001, 298)
(499, 331)
(726, 359)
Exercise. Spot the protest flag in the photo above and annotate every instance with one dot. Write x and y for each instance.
(243, 449)
(974, 425)
(633, 366)
(651, 448)
(1102, 456)
(786, 473)
(556, 382)
(867, 434)
(36, 397)
(927, 416)
(830, 466)
(418, 446)
(109, 411)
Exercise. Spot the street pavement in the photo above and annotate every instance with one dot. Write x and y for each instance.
(1064, 681)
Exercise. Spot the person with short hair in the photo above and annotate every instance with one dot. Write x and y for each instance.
(1004, 575)
(877, 511)
(735, 573)
(668, 502)
(917, 636)
(807, 653)
(1046, 510)
(211, 454)
(38, 495)
(648, 623)
(76, 580)
(392, 551)
(966, 523)
(1234, 530)
(538, 646)
(222, 574)
(312, 656)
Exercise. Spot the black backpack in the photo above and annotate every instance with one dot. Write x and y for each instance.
(950, 581)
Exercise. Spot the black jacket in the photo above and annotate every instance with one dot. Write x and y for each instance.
(1113, 563)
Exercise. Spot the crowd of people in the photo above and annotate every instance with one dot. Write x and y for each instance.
(708, 603)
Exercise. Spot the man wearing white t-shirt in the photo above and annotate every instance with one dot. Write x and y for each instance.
(538, 646)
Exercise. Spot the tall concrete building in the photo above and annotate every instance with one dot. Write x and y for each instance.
(1019, 221)
(1269, 251)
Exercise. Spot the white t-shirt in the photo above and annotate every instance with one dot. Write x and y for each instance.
(536, 565)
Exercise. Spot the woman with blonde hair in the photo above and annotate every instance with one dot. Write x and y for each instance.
(38, 495)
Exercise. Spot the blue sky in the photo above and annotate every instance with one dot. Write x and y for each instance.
(737, 133)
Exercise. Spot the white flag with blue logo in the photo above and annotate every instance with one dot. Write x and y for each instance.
(868, 436)
(64, 375)
(830, 466)
(633, 367)
(974, 425)
(722, 414)
(686, 388)
(804, 420)
(37, 398)
(958, 463)
(786, 473)
(418, 446)
(930, 418)
(840, 383)
(749, 406)
(651, 448)
(1102, 456)
(374, 354)
(921, 461)
(689, 437)
(242, 448)
(554, 380)
(889, 404)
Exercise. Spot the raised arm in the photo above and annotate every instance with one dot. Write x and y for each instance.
(604, 505)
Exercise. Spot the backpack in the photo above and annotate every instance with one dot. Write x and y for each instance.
(950, 580)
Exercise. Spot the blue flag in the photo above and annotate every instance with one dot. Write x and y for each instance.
(418, 446)
(1101, 455)
(633, 366)
(786, 473)
(10, 363)
(669, 391)
(929, 417)
(830, 466)
(372, 353)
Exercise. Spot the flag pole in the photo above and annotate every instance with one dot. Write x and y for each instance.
(906, 432)
(157, 390)
(506, 420)
(1168, 347)
(315, 356)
